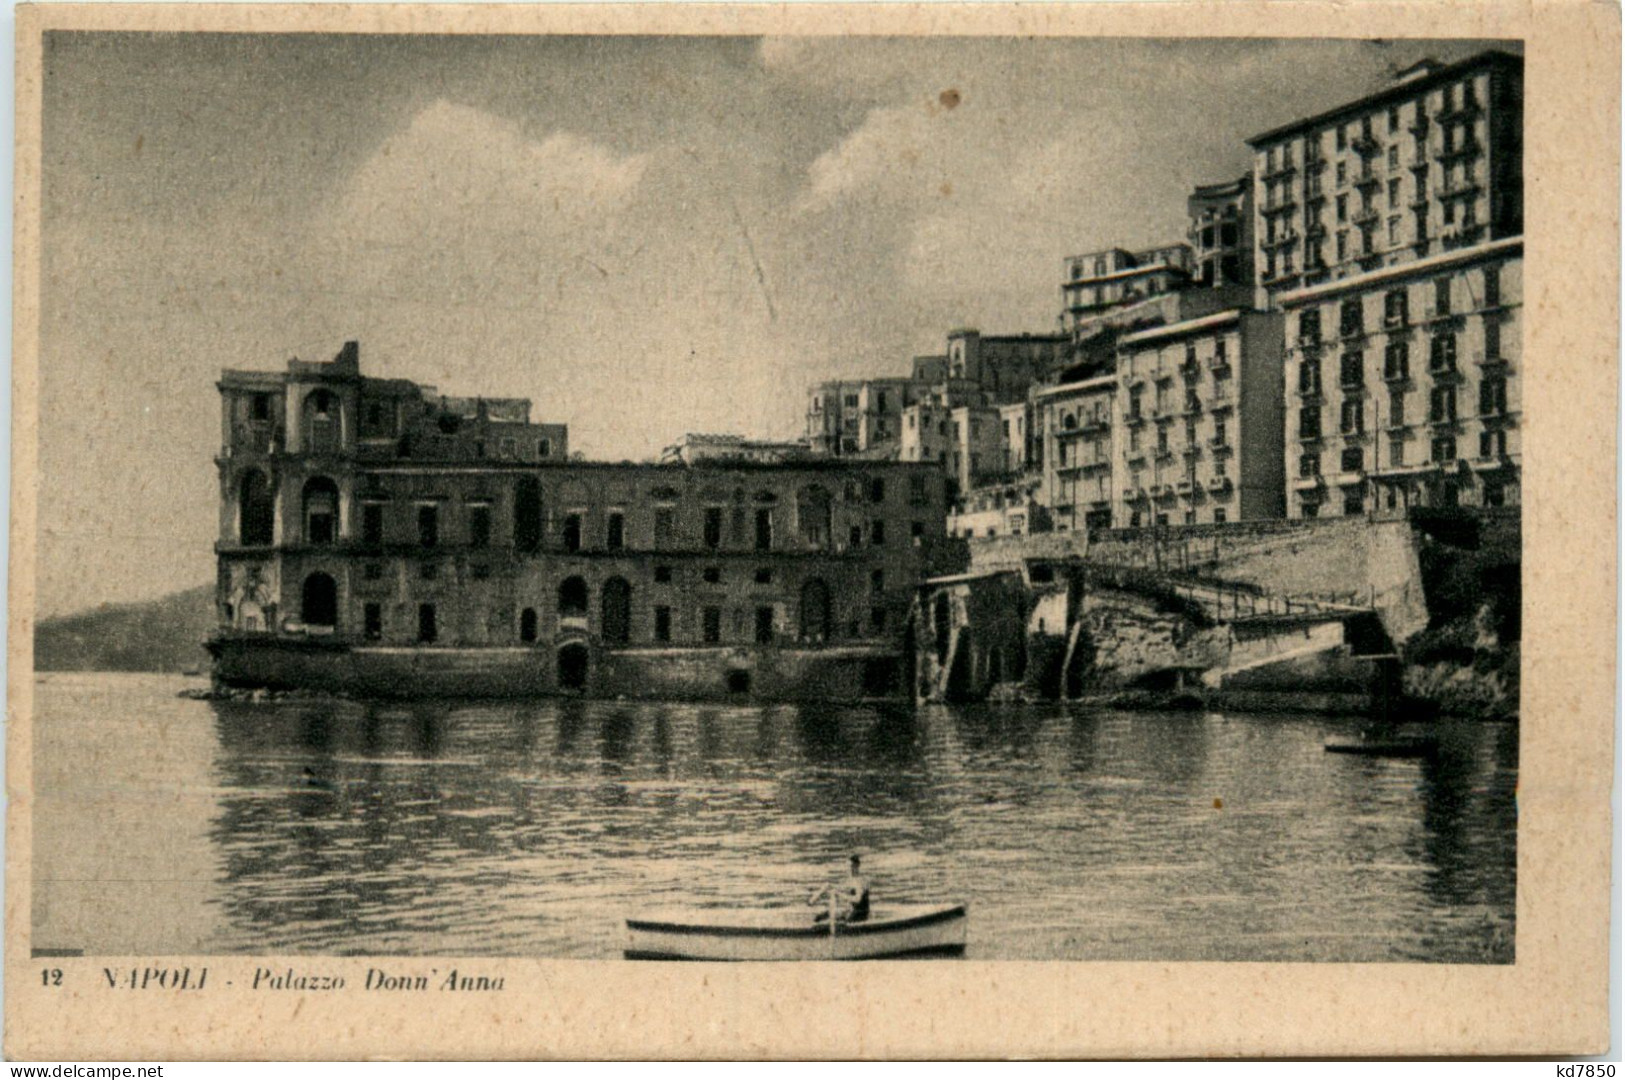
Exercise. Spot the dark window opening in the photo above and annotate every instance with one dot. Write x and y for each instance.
(816, 616)
(573, 665)
(527, 625)
(527, 514)
(428, 526)
(572, 532)
(712, 575)
(428, 630)
(712, 625)
(764, 626)
(573, 597)
(713, 526)
(479, 526)
(764, 529)
(258, 509)
(321, 511)
(662, 624)
(738, 681)
(320, 601)
(764, 576)
(615, 532)
(372, 617)
(372, 524)
(616, 601)
(662, 575)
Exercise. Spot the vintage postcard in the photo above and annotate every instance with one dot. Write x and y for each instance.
(1112, 503)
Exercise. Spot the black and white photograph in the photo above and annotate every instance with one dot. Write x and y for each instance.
(777, 498)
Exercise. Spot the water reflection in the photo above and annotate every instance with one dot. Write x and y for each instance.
(531, 828)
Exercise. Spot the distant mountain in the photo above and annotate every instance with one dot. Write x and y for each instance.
(155, 635)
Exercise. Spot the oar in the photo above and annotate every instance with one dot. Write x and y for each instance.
(832, 906)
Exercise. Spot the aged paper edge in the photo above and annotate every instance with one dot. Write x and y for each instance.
(1552, 1000)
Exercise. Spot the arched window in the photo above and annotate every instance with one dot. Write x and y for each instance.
(616, 627)
(573, 597)
(527, 514)
(319, 601)
(321, 511)
(527, 625)
(815, 611)
(256, 509)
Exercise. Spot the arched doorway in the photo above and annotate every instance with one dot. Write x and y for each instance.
(527, 514)
(256, 509)
(321, 510)
(574, 664)
(815, 610)
(616, 627)
(573, 598)
(319, 601)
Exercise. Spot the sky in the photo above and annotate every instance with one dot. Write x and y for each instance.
(645, 236)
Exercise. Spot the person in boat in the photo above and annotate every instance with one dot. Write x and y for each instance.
(851, 896)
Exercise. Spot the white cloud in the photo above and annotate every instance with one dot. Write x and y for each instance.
(456, 168)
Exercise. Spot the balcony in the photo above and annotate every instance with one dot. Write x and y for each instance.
(1285, 206)
(1393, 321)
(1309, 393)
(1419, 128)
(1284, 169)
(1219, 444)
(1184, 487)
(1443, 421)
(1192, 452)
(1444, 373)
(1190, 369)
(1216, 484)
(1366, 216)
(1461, 189)
(1495, 361)
(1468, 147)
(1367, 180)
(1365, 145)
(1396, 375)
(1222, 404)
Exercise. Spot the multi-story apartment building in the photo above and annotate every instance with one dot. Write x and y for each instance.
(966, 442)
(1403, 385)
(1008, 509)
(377, 538)
(1221, 232)
(1076, 422)
(1200, 417)
(1003, 366)
(1101, 280)
(1429, 164)
(860, 416)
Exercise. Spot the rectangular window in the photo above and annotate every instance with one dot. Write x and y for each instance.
(1218, 515)
(1442, 356)
(1492, 286)
(662, 575)
(712, 620)
(1396, 361)
(764, 576)
(373, 572)
(1444, 449)
(1396, 452)
(713, 526)
(764, 529)
(1353, 417)
(1309, 423)
(372, 524)
(428, 526)
(544, 448)
(665, 528)
(877, 490)
(259, 406)
(877, 532)
(1395, 308)
(1309, 327)
(1492, 340)
(572, 532)
(764, 626)
(877, 619)
(372, 618)
(1492, 397)
(1351, 319)
(1441, 296)
(479, 526)
(615, 532)
(428, 630)
(1353, 503)
(712, 575)
(1442, 405)
(1396, 410)
(662, 624)
(1492, 444)
(1353, 459)
(917, 492)
(1342, 201)
(1308, 465)
(1352, 371)
(1393, 189)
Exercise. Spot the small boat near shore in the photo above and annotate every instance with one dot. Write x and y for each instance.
(890, 933)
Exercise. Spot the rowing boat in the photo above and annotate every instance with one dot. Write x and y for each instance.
(791, 934)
